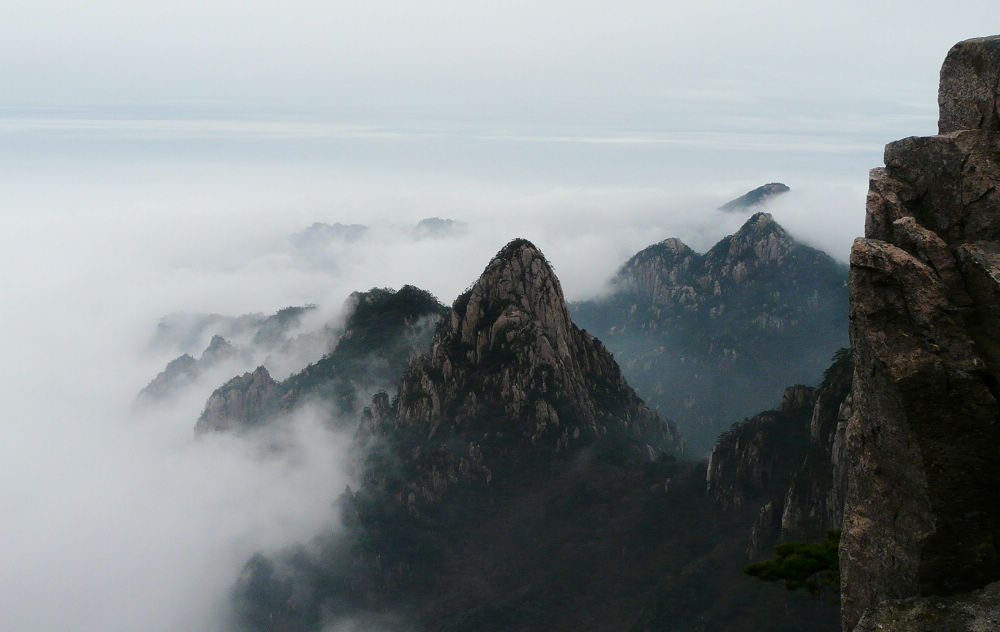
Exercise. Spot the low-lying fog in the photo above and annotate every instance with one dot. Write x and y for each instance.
(117, 519)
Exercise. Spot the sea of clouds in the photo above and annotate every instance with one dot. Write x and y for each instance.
(114, 517)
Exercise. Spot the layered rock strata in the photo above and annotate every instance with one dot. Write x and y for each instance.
(921, 515)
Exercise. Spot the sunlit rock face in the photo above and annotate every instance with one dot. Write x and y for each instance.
(921, 515)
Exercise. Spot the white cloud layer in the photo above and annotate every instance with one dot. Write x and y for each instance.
(113, 521)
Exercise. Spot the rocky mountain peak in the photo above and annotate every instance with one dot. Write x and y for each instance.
(383, 329)
(517, 289)
(218, 349)
(686, 326)
(511, 380)
(761, 239)
(675, 246)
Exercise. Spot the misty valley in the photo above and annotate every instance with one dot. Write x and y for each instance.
(500, 471)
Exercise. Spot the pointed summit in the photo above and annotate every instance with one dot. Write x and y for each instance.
(517, 289)
(218, 350)
(510, 381)
(760, 239)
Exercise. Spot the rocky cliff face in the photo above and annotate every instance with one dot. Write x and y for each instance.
(975, 611)
(921, 515)
(709, 338)
(755, 456)
(814, 501)
(239, 400)
(786, 465)
(510, 380)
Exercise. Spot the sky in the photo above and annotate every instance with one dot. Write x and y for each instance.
(156, 157)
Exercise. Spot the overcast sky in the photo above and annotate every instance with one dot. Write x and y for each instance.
(155, 157)
(720, 65)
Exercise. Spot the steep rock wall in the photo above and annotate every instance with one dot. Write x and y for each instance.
(921, 515)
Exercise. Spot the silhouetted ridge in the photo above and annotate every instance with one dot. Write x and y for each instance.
(755, 198)
(383, 330)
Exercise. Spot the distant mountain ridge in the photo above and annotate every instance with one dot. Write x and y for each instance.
(756, 198)
(235, 342)
(384, 328)
(709, 338)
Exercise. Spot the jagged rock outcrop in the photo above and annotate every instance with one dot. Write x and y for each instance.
(510, 380)
(697, 335)
(384, 329)
(756, 198)
(921, 515)
(969, 93)
(237, 402)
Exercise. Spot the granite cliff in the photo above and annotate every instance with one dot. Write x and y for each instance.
(922, 519)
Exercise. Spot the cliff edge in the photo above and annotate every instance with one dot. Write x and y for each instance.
(921, 515)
